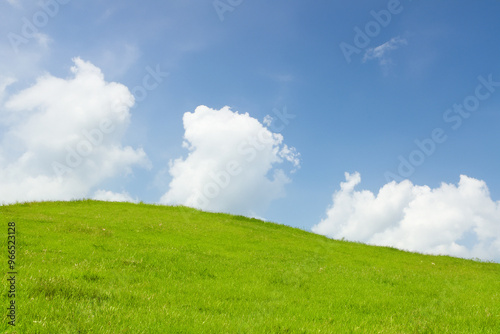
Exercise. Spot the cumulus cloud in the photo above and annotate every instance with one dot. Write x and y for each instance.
(109, 196)
(381, 52)
(231, 165)
(64, 136)
(459, 220)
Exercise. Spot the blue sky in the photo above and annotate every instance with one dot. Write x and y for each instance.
(361, 113)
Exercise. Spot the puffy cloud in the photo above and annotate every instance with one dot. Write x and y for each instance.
(231, 163)
(109, 196)
(64, 136)
(459, 220)
(290, 154)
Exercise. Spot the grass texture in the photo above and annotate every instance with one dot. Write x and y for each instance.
(98, 267)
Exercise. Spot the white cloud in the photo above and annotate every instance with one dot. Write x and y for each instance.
(268, 120)
(64, 137)
(231, 163)
(459, 220)
(381, 52)
(290, 154)
(118, 58)
(43, 40)
(109, 196)
(15, 3)
(4, 83)
(26, 45)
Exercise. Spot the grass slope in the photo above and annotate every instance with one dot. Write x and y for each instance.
(96, 267)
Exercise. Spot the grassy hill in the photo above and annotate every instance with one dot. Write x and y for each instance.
(97, 267)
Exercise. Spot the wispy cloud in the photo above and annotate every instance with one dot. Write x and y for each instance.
(381, 52)
(15, 3)
(4, 83)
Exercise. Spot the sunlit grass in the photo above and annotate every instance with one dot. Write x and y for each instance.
(96, 267)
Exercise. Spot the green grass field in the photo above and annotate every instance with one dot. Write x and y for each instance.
(97, 267)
